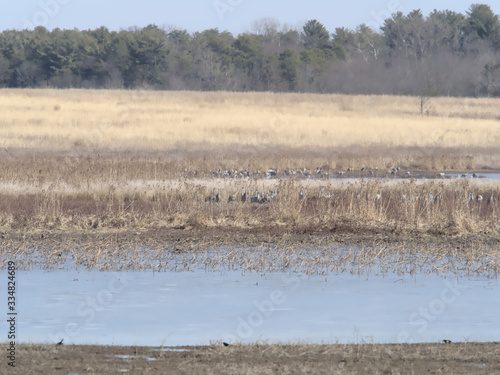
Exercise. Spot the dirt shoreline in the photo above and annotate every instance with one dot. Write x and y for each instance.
(431, 358)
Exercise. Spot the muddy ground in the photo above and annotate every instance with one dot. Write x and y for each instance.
(249, 237)
(437, 358)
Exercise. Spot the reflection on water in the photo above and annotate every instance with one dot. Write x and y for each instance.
(189, 308)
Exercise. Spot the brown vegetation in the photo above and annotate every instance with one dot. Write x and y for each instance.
(441, 208)
(86, 121)
(117, 160)
(454, 358)
(243, 251)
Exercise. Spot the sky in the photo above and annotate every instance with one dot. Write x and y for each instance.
(235, 16)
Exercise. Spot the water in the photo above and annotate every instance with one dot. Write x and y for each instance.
(482, 176)
(490, 177)
(193, 308)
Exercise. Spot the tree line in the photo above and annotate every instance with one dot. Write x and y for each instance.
(444, 53)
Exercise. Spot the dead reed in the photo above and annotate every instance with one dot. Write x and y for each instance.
(448, 207)
(363, 260)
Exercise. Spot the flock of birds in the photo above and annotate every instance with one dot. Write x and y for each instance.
(252, 197)
(257, 197)
(319, 173)
(479, 198)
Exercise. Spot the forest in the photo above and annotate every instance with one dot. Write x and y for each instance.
(444, 53)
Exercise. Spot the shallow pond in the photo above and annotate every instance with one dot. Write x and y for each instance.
(191, 308)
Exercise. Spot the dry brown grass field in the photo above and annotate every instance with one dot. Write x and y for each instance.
(265, 128)
(436, 208)
(83, 160)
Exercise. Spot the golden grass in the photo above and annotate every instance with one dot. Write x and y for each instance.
(114, 160)
(58, 120)
(438, 208)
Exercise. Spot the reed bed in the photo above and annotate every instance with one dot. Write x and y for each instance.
(362, 260)
(447, 207)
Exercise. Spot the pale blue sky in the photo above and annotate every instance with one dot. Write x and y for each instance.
(235, 16)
